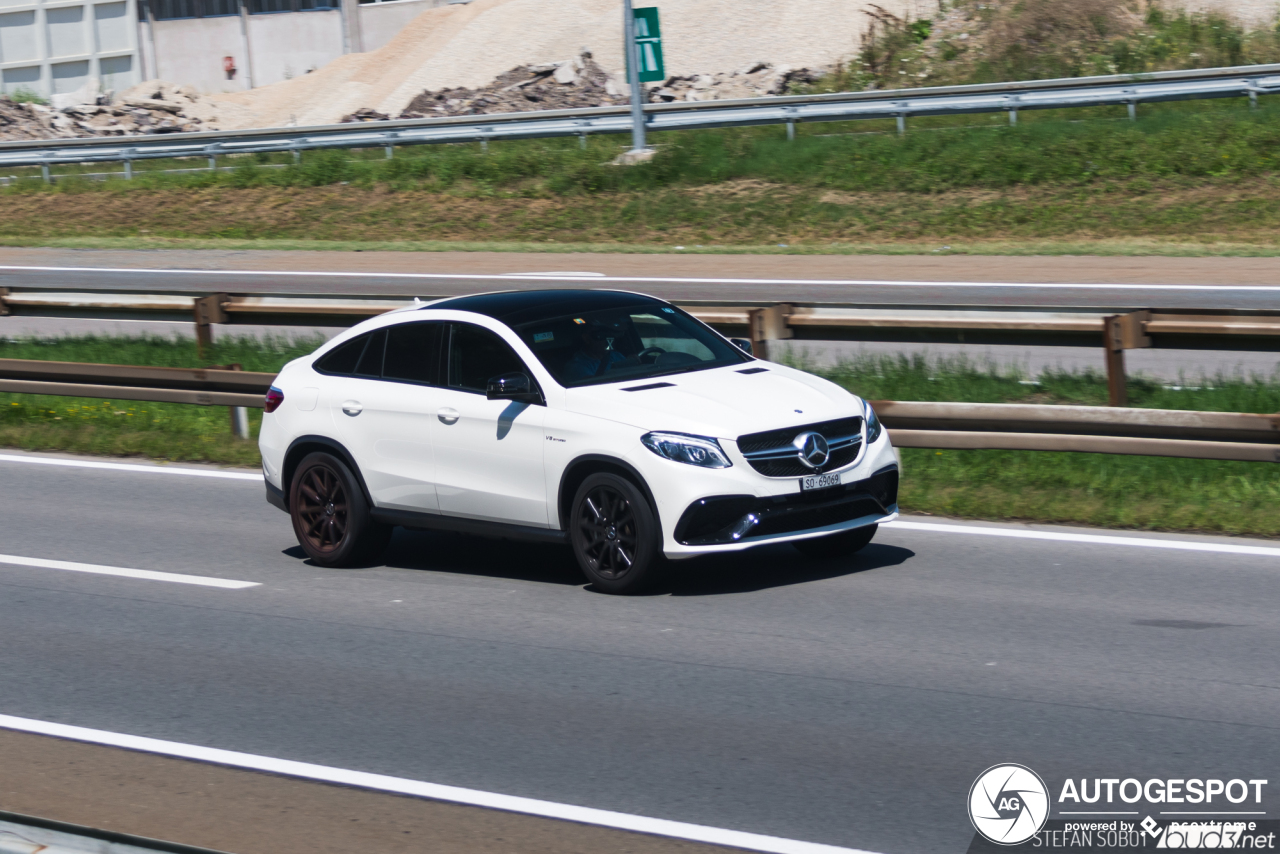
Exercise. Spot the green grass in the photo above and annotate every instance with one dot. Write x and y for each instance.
(161, 431)
(1110, 248)
(1093, 489)
(1090, 489)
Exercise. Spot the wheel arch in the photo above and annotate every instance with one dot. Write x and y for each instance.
(303, 445)
(588, 464)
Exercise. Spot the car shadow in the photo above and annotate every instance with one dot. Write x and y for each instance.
(482, 556)
(760, 568)
(768, 567)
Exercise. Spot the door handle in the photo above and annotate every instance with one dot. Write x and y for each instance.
(447, 415)
(352, 407)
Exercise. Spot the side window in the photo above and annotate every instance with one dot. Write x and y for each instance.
(476, 355)
(370, 364)
(343, 359)
(413, 352)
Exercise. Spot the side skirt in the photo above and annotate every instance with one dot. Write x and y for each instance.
(497, 530)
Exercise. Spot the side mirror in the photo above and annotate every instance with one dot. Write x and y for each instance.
(515, 386)
(743, 344)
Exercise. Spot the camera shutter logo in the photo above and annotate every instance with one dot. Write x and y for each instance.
(1008, 804)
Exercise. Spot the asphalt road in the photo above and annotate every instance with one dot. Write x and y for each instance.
(1111, 283)
(851, 703)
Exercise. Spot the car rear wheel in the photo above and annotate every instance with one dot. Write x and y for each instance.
(837, 545)
(330, 515)
(615, 534)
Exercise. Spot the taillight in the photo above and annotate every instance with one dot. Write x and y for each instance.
(275, 397)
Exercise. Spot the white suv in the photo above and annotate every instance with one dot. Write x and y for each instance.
(611, 421)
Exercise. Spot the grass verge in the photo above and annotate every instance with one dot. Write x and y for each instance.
(1090, 489)
(1135, 247)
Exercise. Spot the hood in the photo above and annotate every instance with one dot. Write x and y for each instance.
(722, 403)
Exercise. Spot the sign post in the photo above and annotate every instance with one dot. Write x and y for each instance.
(643, 47)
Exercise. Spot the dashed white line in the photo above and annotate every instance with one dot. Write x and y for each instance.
(433, 791)
(1090, 539)
(125, 572)
(94, 464)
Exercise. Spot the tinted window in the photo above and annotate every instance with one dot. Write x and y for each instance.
(413, 352)
(476, 355)
(370, 364)
(343, 359)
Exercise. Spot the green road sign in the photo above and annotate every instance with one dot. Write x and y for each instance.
(649, 44)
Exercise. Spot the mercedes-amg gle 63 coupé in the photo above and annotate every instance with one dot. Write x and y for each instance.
(612, 422)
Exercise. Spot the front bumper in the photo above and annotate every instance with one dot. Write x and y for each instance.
(732, 522)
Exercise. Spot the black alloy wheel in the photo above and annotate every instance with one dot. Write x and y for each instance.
(615, 534)
(837, 545)
(330, 515)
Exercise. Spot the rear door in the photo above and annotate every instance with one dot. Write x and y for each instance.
(488, 452)
(383, 409)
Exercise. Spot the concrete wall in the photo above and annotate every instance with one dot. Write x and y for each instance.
(380, 22)
(190, 51)
(290, 44)
(54, 48)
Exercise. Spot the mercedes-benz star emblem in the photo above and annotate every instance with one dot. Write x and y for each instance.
(812, 449)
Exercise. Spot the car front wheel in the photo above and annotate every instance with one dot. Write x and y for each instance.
(837, 545)
(615, 534)
(330, 515)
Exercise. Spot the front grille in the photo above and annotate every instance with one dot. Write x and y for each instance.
(773, 455)
(709, 521)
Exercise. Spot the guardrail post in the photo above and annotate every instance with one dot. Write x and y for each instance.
(4, 308)
(208, 311)
(1253, 94)
(768, 324)
(1133, 111)
(297, 155)
(902, 123)
(128, 169)
(44, 173)
(239, 414)
(1122, 332)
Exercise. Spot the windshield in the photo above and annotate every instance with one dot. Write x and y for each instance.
(617, 344)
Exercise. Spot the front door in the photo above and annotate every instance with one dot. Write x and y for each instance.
(488, 453)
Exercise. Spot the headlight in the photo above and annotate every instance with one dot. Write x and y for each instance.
(874, 427)
(694, 450)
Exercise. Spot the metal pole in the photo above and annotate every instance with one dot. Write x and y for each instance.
(633, 76)
(791, 131)
(44, 173)
(1013, 117)
(902, 124)
(1133, 112)
(128, 169)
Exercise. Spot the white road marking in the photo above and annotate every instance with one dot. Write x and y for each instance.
(93, 464)
(125, 572)
(434, 791)
(498, 277)
(1090, 539)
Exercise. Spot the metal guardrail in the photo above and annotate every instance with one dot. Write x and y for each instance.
(1243, 81)
(764, 322)
(1002, 426)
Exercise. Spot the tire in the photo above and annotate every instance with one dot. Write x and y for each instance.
(837, 545)
(330, 515)
(615, 535)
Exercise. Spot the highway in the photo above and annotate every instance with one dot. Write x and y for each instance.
(1115, 283)
(848, 703)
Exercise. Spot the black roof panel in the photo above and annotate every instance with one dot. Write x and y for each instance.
(517, 307)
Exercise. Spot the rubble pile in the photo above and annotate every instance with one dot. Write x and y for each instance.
(580, 82)
(758, 80)
(149, 108)
(565, 85)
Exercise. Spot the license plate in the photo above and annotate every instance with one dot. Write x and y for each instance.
(819, 481)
